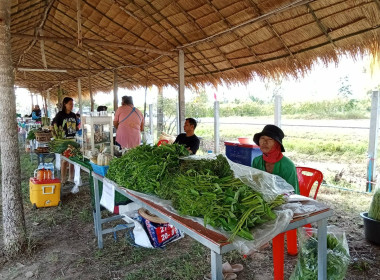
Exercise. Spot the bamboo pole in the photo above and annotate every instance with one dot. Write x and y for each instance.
(181, 91)
(79, 23)
(115, 90)
(42, 47)
(90, 82)
(93, 42)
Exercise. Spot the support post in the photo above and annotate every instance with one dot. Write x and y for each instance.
(115, 90)
(31, 96)
(80, 97)
(216, 127)
(181, 92)
(160, 111)
(372, 145)
(277, 110)
(151, 120)
(48, 103)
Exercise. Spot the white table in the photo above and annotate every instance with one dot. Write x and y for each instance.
(215, 241)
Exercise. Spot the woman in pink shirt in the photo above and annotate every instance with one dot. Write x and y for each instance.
(129, 121)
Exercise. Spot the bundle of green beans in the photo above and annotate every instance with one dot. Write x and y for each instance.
(202, 188)
(147, 168)
(223, 202)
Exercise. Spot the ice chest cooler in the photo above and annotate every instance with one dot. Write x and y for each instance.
(242, 153)
(45, 193)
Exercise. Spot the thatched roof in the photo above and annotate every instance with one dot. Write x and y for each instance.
(223, 40)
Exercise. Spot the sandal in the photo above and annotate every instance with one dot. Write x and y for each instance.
(227, 267)
(226, 276)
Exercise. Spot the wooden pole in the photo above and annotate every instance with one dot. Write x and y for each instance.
(79, 23)
(48, 102)
(42, 47)
(151, 120)
(115, 91)
(80, 97)
(181, 92)
(31, 95)
(90, 83)
(160, 111)
(94, 42)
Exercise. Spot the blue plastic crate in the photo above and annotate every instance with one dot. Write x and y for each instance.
(99, 169)
(242, 153)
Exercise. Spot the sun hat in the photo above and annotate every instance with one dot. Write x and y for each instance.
(150, 217)
(273, 132)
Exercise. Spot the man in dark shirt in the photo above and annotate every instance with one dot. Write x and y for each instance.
(189, 139)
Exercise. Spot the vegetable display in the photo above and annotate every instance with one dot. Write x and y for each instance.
(58, 132)
(147, 168)
(374, 209)
(338, 259)
(31, 134)
(59, 146)
(203, 188)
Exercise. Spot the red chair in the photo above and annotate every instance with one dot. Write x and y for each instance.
(306, 179)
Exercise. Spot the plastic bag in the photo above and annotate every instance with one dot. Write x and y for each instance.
(165, 136)
(269, 185)
(338, 256)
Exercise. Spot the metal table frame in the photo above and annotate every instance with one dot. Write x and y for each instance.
(216, 249)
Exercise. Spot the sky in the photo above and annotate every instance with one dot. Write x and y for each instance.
(322, 83)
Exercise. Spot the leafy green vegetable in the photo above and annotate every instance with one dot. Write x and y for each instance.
(374, 209)
(201, 188)
(60, 145)
(338, 259)
(31, 134)
(148, 168)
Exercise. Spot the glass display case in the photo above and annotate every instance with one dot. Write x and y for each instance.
(97, 135)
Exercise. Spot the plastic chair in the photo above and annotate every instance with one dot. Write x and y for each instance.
(306, 179)
(162, 142)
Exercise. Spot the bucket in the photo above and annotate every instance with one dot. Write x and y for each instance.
(371, 229)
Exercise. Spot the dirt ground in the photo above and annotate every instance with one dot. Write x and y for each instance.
(62, 245)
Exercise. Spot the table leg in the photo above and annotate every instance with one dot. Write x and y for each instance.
(98, 215)
(216, 266)
(322, 249)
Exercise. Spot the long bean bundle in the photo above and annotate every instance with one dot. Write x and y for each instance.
(222, 202)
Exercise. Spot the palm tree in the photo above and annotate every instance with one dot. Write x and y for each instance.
(13, 212)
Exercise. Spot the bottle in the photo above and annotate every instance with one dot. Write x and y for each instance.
(41, 174)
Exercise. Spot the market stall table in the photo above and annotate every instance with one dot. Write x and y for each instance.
(216, 242)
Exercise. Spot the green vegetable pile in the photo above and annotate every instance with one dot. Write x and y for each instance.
(223, 202)
(60, 145)
(147, 169)
(201, 188)
(338, 259)
(31, 134)
(374, 209)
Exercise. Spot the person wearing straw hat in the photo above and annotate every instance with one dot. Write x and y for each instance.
(272, 160)
(128, 121)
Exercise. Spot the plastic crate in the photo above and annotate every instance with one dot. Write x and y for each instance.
(99, 169)
(242, 153)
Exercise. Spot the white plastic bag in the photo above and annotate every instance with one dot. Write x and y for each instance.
(338, 256)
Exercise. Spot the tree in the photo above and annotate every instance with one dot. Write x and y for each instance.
(14, 236)
(345, 87)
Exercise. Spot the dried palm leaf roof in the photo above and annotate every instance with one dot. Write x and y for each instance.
(229, 41)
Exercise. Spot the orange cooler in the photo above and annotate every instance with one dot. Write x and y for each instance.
(45, 193)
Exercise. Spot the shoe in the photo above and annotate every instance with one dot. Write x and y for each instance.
(228, 268)
(226, 276)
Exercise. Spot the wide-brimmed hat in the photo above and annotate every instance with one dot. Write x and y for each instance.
(150, 217)
(273, 132)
